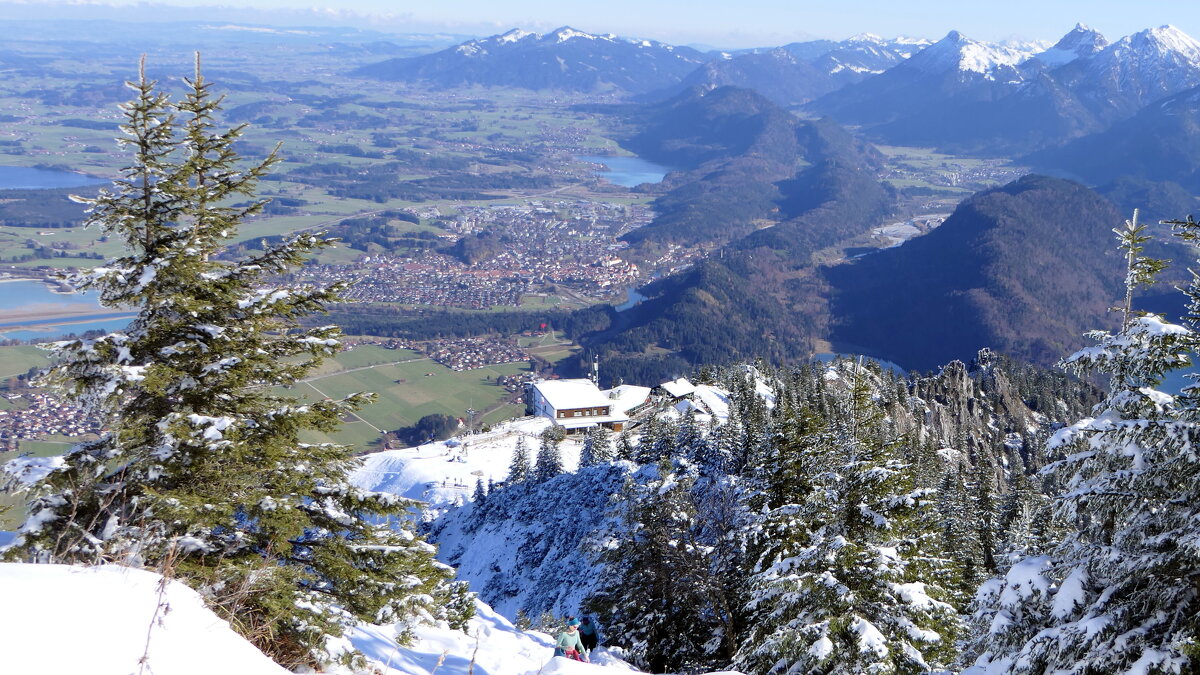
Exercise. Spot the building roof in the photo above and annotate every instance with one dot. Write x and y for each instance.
(626, 397)
(567, 394)
(678, 388)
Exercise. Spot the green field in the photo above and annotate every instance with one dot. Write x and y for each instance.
(18, 360)
(408, 391)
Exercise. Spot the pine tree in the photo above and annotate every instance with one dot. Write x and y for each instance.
(984, 508)
(202, 468)
(689, 438)
(597, 447)
(518, 469)
(625, 449)
(960, 535)
(1121, 592)
(549, 460)
(657, 441)
(650, 602)
(721, 444)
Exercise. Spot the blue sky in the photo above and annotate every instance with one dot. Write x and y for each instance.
(727, 23)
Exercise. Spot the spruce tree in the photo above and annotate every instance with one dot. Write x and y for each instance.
(518, 469)
(651, 602)
(689, 437)
(201, 468)
(597, 447)
(549, 460)
(1121, 592)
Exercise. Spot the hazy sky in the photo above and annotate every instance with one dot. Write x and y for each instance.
(725, 23)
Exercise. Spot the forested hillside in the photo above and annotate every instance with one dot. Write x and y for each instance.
(669, 535)
(1024, 269)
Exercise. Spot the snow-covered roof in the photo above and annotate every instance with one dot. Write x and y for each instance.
(680, 387)
(626, 397)
(567, 394)
(683, 407)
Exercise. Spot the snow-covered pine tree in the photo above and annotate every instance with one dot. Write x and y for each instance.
(863, 592)
(721, 444)
(689, 437)
(597, 447)
(202, 467)
(625, 448)
(519, 469)
(657, 441)
(650, 602)
(960, 536)
(549, 460)
(779, 528)
(1121, 592)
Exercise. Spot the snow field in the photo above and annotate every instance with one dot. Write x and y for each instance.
(419, 473)
(65, 620)
(496, 646)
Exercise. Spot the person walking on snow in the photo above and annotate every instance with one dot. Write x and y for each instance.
(568, 643)
(588, 635)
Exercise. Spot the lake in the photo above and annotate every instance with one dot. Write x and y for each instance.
(24, 178)
(628, 171)
(42, 313)
(632, 298)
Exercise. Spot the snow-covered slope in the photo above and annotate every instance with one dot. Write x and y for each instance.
(58, 619)
(64, 620)
(530, 547)
(491, 645)
(446, 472)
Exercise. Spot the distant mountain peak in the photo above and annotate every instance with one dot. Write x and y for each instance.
(565, 58)
(867, 37)
(567, 33)
(1167, 39)
(515, 35)
(1081, 41)
(1082, 38)
(958, 52)
(1165, 59)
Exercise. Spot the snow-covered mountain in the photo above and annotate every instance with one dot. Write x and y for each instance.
(954, 70)
(867, 54)
(971, 58)
(1135, 70)
(1081, 42)
(798, 72)
(565, 59)
(962, 95)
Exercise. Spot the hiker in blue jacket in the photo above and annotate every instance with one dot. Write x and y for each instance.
(588, 634)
